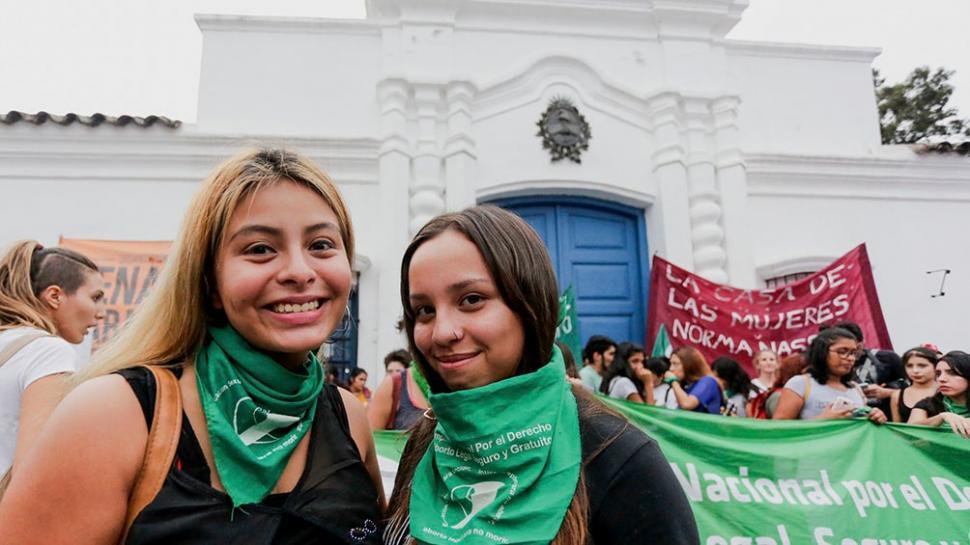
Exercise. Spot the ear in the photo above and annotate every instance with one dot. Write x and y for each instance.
(53, 297)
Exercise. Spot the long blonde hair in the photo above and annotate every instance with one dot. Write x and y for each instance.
(26, 270)
(169, 325)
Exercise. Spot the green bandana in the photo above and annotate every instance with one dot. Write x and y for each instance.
(257, 411)
(504, 462)
(955, 408)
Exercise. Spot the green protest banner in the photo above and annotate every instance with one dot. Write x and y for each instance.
(841, 482)
(568, 330)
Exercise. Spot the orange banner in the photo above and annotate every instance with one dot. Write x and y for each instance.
(129, 268)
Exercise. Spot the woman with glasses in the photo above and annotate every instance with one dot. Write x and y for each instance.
(827, 391)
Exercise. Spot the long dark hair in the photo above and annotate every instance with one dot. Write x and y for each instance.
(733, 375)
(621, 367)
(818, 354)
(522, 271)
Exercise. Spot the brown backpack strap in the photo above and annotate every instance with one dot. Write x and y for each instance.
(395, 398)
(22, 341)
(163, 439)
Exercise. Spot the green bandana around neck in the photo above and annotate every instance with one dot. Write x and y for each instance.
(504, 462)
(257, 411)
(954, 407)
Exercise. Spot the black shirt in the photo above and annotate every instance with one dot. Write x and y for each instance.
(335, 500)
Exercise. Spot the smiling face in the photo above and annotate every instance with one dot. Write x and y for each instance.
(766, 362)
(951, 384)
(920, 370)
(282, 273)
(463, 327)
(75, 314)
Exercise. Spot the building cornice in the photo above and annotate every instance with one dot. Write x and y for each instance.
(307, 25)
(802, 51)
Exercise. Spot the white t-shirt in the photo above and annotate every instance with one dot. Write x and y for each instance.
(40, 358)
(622, 388)
(664, 397)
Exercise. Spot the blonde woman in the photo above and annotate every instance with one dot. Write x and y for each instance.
(268, 454)
(49, 297)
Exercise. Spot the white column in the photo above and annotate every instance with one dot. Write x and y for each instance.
(671, 209)
(460, 155)
(707, 235)
(732, 179)
(427, 188)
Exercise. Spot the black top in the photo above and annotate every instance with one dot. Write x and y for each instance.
(634, 497)
(901, 406)
(335, 500)
(933, 405)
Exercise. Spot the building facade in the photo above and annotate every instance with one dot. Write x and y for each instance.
(744, 162)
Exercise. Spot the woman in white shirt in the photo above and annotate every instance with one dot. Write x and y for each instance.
(49, 297)
(627, 378)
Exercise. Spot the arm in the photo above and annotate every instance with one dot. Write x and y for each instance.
(789, 405)
(361, 432)
(894, 406)
(36, 405)
(959, 424)
(74, 486)
(379, 408)
(684, 400)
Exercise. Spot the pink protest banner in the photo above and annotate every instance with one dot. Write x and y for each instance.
(129, 268)
(722, 320)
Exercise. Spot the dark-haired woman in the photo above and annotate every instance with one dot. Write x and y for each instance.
(920, 366)
(49, 297)
(950, 404)
(627, 378)
(827, 390)
(357, 385)
(735, 384)
(510, 452)
(692, 383)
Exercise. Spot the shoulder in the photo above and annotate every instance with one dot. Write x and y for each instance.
(609, 435)
(41, 357)
(796, 383)
(932, 405)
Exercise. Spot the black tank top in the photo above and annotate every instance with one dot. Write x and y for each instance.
(904, 410)
(335, 500)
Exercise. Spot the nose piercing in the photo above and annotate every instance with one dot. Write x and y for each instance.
(455, 335)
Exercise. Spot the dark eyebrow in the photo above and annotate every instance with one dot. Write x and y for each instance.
(457, 286)
(274, 232)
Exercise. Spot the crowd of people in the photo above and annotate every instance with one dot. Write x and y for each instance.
(209, 419)
(837, 377)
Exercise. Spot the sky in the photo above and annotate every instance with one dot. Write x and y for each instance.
(142, 57)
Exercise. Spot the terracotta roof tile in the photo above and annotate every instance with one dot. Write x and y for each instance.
(94, 120)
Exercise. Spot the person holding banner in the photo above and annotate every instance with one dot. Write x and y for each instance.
(827, 391)
(510, 452)
(219, 362)
(950, 404)
(700, 391)
(920, 364)
(626, 378)
(49, 297)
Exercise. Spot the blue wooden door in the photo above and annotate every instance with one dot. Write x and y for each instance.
(600, 248)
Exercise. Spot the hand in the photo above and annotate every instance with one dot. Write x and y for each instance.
(832, 413)
(644, 375)
(877, 416)
(960, 424)
(875, 391)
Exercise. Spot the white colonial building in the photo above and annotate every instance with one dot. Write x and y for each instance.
(742, 161)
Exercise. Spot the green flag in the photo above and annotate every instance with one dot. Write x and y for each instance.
(815, 482)
(661, 344)
(568, 330)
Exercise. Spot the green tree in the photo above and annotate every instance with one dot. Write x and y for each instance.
(916, 109)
